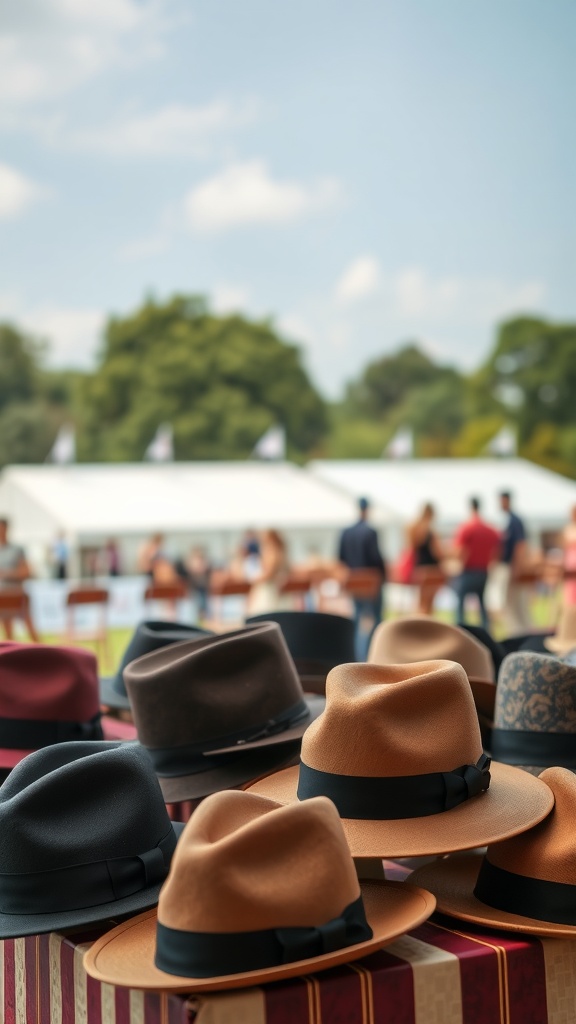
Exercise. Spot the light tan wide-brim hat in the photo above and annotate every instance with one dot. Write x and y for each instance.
(384, 723)
(424, 638)
(545, 856)
(256, 892)
(565, 637)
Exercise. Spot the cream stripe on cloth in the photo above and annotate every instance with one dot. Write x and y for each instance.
(243, 1007)
(80, 986)
(560, 967)
(436, 976)
(54, 943)
(20, 981)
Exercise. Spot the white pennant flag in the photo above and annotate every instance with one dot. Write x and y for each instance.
(401, 446)
(64, 448)
(161, 447)
(272, 445)
(504, 443)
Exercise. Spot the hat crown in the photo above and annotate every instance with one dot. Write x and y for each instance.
(42, 682)
(419, 638)
(536, 693)
(245, 863)
(79, 803)
(152, 635)
(547, 851)
(394, 720)
(212, 688)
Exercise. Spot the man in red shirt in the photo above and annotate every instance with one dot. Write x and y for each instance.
(477, 545)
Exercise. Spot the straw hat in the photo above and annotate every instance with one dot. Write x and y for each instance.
(525, 884)
(220, 711)
(256, 893)
(421, 638)
(398, 750)
(535, 715)
(564, 638)
(84, 837)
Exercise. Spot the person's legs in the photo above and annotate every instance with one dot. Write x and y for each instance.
(479, 591)
(460, 588)
(364, 623)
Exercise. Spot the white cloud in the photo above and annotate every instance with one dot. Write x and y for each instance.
(246, 193)
(174, 129)
(72, 334)
(416, 296)
(360, 278)
(229, 298)
(17, 192)
(49, 47)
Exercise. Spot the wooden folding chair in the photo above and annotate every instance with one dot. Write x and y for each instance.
(296, 585)
(14, 604)
(96, 598)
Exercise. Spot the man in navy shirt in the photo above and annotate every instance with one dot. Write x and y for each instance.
(513, 552)
(359, 549)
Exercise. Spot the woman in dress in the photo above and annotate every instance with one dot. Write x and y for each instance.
(427, 553)
(569, 545)
(265, 595)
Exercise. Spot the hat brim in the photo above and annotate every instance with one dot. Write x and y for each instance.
(452, 881)
(125, 956)
(484, 693)
(238, 770)
(16, 926)
(557, 645)
(110, 696)
(514, 802)
(316, 706)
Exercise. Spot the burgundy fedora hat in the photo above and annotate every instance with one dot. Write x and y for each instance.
(48, 695)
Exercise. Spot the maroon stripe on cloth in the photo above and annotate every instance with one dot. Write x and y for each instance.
(31, 944)
(392, 987)
(478, 971)
(287, 1002)
(44, 978)
(9, 982)
(177, 1010)
(67, 982)
(340, 992)
(525, 976)
(121, 1005)
(396, 872)
(152, 1013)
(93, 1001)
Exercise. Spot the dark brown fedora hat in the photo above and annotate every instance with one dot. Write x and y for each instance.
(220, 711)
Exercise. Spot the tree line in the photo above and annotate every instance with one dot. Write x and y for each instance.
(221, 381)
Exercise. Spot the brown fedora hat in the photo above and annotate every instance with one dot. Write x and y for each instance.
(219, 711)
(423, 638)
(257, 892)
(535, 714)
(525, 884)
(564, 638)
(398, 750)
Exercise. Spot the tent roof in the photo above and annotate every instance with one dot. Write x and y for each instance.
(403, 486)
(136, 498)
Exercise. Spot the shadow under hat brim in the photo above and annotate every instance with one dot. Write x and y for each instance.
(15, 926)
(125, 956)
(514, 802)
(112, 697)
(10, 757)
(484, 693)
(237, 769)
(452, 881)
(316, 705)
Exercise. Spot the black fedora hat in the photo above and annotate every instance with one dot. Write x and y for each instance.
(317, 641)
(84, 837)
(148, 636)
(221, 711)
(497, 651)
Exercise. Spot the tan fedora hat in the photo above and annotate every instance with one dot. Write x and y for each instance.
(525, 884)
(564, 638)
(423, 638)
(398, 750)
(219, 711)
(256, 893)
(535, 714)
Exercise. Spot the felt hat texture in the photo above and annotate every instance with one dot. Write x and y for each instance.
(256, 892)
(524, 884)
(48, 695)
(535, 714)
(220, 711)
(317, 642)
(84, 837)
(398, 750)
(423, 638)
(564, 639)
(148, 636)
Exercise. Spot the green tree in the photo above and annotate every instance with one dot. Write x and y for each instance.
(27, 432)
(387, 382)
(220, 382)
(19, 366)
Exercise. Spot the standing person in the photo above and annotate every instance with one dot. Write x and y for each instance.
(568, 541)
(512, 557)
(14, 569)
(359, 549)
(427, 553)
(59, 553)
(111, 558)
(477, 545)
(265, 594)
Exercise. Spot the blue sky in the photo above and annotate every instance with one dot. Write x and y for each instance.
(365, 173)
